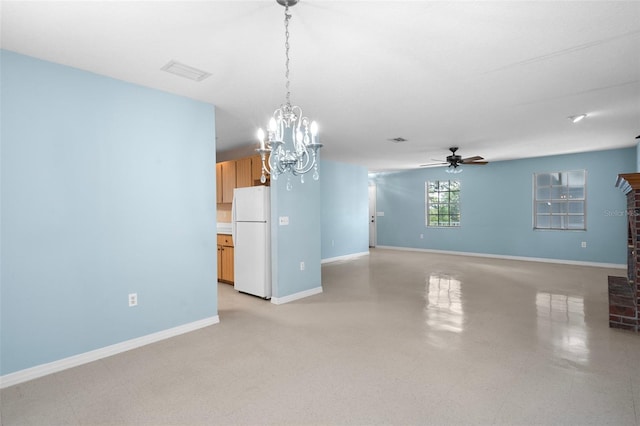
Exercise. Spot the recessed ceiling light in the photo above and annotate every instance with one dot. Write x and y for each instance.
(577, 118)
(175, 67)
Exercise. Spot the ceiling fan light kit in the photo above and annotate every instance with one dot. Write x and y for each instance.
(454, 161)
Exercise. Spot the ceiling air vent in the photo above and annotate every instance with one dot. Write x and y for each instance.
(398, 140)
(175, 67)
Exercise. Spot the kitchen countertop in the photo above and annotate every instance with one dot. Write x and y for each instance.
(224, 228)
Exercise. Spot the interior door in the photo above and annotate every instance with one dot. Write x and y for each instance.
(372, 216)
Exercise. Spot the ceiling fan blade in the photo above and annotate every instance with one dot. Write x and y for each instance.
(455, 160)
(432, 164)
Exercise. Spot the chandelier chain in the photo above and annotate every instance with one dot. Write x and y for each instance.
(290, 144)
(287, 17)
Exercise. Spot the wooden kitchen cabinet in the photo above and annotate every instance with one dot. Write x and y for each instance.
(243, 173)
(228, 178)
(225, 240)
(218, 183)
(237, 174)
(225, 258)
(227, 265)
(219, 262)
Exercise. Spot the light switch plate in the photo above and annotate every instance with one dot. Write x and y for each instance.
(284, 220)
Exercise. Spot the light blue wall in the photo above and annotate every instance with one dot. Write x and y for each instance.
(108, 188)
(345, 209)
(496, 203)
(300, 240)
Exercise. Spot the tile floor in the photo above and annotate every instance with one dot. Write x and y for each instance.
(396, 338)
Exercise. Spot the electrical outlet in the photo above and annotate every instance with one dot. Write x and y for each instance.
(421, 236)
(133, 299)
(284, 220)
(302, 266)
(584, 244)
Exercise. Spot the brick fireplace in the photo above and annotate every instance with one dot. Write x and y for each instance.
(624, 292)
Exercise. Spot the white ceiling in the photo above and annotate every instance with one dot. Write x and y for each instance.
(497, 79)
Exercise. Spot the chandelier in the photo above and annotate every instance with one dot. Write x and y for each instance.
(291, 140)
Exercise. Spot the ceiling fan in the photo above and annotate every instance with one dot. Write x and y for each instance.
(454, 160)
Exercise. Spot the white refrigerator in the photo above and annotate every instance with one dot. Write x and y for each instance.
(251, 233)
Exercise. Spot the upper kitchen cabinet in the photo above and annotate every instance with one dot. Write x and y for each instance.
(237, 174)
(243, 173)
(218, 183)
(226, 181)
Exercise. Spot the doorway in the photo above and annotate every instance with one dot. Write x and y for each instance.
(372, 216)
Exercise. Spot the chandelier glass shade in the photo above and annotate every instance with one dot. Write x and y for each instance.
(290, 144)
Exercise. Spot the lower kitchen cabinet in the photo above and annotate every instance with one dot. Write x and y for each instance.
(225, 259)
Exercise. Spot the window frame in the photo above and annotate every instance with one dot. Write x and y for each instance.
(448, 203)
(560, 206)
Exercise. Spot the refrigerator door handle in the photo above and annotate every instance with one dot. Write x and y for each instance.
(233, 218)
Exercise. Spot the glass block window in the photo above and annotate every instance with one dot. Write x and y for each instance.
(442, 203)
(560, 200)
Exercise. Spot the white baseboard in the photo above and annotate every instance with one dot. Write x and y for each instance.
(296, 296)
(84, 358)
(345, 257)
(499, 256)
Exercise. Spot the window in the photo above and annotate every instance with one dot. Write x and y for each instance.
(442, 200)
(559, 200)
